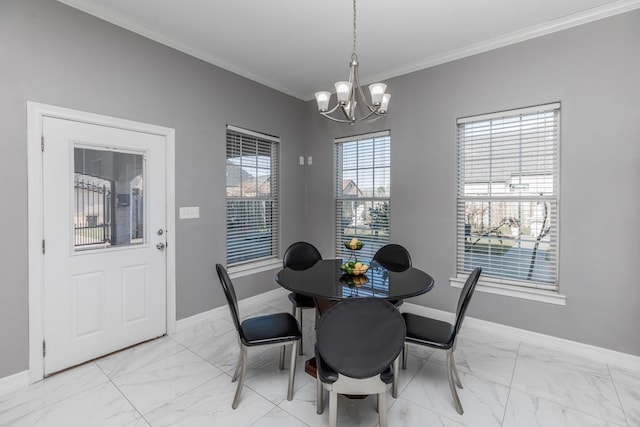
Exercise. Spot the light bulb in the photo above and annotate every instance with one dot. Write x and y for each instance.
(384, 105)
(322, 98)
(343, 90)
(377, 91)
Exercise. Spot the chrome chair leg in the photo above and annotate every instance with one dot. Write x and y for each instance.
(235, 373)
(243, 371)
(382, 409)
(455, 370)
(454, 393)
(319, 397)
(396, 372)
(281, 361)
(300, 320)
(333, 409)
(405, 350)
(292, 370)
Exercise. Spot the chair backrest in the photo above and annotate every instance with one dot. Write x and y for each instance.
(360, 337)
(230, 293)
(393, 257)
(465, 297)
(300, 256)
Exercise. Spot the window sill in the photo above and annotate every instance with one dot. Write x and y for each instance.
(539, 295)
(254, 267)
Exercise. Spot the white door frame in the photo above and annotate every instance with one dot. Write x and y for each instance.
(35, 114)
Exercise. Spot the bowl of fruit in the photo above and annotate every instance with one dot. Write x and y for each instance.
(353, 281)
(355, 268)
(354, 244)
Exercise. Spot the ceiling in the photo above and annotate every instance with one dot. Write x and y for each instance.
(301, 46)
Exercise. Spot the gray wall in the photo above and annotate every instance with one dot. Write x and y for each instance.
(593, 70)
(54, 54)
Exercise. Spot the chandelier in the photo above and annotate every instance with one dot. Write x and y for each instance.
(349, 94)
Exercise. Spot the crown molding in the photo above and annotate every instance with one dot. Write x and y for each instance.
(570, 21)
(134, 27)
(560, 24)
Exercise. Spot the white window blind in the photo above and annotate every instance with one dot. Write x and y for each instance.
(363, 192)
(252, 196)
(507, 204)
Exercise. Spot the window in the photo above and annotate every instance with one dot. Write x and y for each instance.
(363, 190)
(507, 210)
(252, 196)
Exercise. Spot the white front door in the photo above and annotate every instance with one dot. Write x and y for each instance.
(104, 227)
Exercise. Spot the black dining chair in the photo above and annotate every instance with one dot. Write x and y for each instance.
(393, 257)
(300, 256)
(279, 329)
(357, 341)
(442, 335)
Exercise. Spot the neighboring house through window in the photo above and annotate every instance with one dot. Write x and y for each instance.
(363, 192)
(252, 196)
(507, 220)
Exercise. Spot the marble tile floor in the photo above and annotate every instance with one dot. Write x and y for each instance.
(185, 380)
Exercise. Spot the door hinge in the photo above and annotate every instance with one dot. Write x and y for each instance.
(43, 246)
(44, 349)
(42, 143)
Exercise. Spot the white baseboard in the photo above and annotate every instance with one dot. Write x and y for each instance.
(604, 355)
(212, 314)
(21, 379)
(14, 382)
(223, 310)
(266, 296)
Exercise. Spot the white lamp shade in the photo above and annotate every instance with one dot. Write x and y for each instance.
(322, 98)
(343, 90)
(384, 106)
(377, 91)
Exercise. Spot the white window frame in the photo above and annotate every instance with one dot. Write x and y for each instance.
(261, 262)
(366, 197)
(497, 281)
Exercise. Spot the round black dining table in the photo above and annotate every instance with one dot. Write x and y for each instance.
(327, 283)
(326, 280)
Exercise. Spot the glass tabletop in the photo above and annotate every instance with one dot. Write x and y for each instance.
(325, 279)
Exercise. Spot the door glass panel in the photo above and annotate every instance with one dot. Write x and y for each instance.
(108, 198)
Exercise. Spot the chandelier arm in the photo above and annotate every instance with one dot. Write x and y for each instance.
(335, 119)
(371, 113)
(326, 114)
(364, 98)
(350, 116)
(376, 115)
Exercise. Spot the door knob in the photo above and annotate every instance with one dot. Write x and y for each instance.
(160, 246)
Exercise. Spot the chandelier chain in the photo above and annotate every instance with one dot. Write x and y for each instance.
(354, 27)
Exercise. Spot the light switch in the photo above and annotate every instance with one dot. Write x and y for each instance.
(190, 212)
(309, 160)
(301, 160)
